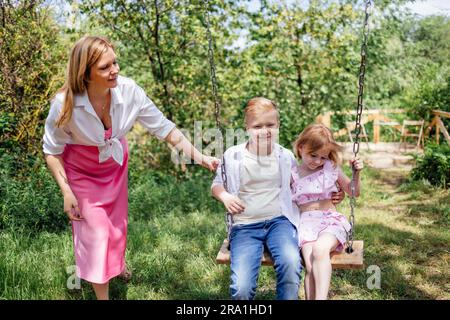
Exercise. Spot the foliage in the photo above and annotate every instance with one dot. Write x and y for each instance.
(31, 201)
(172, 248)
(434, 166)
(305, 57)
(30, 67)
(410, 55)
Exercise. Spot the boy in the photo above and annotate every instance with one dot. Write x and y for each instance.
(259, 199)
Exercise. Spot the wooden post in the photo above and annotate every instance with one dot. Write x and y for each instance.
(430, 126)
(440, 127)
(376, 129)
(319, 118)
(444, 130)
(437, 129)
(327, 119)
(324, 119)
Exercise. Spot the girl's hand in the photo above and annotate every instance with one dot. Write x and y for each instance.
(337, 197)
(233, 204)
(356, 163)
(71, 207)
(210, 163)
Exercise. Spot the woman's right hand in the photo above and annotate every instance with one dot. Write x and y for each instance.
(71, 208)
(233, 204)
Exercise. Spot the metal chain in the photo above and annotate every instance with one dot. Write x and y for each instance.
(362, 69)
(217, 107)
(359, 109)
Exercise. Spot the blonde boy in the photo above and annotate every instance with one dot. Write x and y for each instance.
(259, 199)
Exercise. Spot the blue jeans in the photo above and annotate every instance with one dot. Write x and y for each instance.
(247, 243)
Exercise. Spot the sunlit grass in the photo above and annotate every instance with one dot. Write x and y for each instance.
(176, 229)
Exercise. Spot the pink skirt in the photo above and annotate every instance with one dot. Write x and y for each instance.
(314, 223)
(102, 192)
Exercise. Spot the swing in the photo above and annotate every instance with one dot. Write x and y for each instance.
(351, 257)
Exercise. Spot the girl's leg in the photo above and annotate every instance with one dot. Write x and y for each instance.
(309, 278)
(101, 290)
(321, 264)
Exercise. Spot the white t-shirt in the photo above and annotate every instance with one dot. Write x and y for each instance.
(259, 189)
(129, 103)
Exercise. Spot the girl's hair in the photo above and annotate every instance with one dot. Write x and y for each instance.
(258, 105)
(315, 137)
(84, 54)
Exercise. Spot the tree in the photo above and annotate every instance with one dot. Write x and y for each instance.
(30, 73)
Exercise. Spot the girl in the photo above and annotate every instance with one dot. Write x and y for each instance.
(322, 229)
(87, 153)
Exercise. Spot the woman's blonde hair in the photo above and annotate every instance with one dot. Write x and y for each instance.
(258, 105)
(84, 54)
(316, 137)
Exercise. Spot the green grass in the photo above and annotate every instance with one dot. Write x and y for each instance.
(176, 229)
(405, 230)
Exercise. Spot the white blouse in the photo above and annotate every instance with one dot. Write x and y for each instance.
(129, 103)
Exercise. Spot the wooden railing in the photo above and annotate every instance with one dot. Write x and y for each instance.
(439, 124)
(377, 116)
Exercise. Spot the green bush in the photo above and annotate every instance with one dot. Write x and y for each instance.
(434, 166)
(31, 200)
(155, 193)
(32, 57)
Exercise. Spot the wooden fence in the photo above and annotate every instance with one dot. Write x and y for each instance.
(379, 118)
(439, 124)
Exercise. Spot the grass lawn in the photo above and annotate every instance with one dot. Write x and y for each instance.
(175, 230)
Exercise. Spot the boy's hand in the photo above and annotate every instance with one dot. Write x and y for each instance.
(210, 163)
(233, 204)
(337, 197)
(356, 163)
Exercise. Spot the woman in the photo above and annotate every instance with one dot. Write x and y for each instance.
(87, 153)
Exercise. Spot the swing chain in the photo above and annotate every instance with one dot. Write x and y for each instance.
(359, 109)
(217, 107)
(212, 67)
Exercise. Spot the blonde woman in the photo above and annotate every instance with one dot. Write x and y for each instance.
(87, 153)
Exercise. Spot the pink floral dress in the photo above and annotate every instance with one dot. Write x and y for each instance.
(314, 187)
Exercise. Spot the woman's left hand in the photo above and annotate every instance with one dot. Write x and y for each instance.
(210, 163)
(357, 163)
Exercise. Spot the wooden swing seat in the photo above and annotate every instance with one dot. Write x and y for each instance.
(339, 260)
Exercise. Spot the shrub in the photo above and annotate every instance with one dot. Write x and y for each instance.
(30, 201)
(434, 166)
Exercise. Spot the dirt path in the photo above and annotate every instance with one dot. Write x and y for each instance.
(384, 155)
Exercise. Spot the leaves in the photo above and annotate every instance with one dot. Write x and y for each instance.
(30, 57)
(305, 56)
(434, 166)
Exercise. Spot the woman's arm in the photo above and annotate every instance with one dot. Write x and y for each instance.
(177, 139)
(345, 182)
(56, 166)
